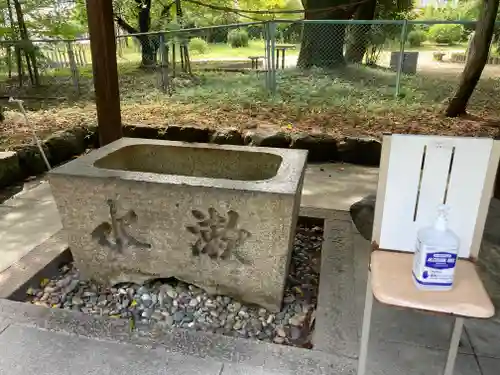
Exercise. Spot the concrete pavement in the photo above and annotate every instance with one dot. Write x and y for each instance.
(44, 341)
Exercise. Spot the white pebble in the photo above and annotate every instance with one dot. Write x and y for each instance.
(243, 314)
(161, 298)
(50, 289)
(270, 319)
(280, 331)
(296, 320)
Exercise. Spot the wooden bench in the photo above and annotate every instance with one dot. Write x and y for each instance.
(438, 56)
(255, 61)
(282, 48)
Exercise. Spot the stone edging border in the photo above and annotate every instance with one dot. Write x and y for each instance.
(26, 161)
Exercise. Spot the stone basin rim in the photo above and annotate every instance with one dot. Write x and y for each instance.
(285, 181)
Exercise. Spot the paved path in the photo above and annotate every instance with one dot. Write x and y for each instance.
(44, 341)
(26, 220)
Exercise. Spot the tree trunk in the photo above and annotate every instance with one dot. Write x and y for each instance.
(359, 35)
(323, 44)
(147, 45)
(17, 51)
(29, 48)
(478, 55)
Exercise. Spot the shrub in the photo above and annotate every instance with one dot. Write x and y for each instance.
(237, 38)
(416, 37)
(198, 45)
(446, 34)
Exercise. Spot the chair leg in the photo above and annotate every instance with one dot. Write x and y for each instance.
(454, 342)
(365, 332)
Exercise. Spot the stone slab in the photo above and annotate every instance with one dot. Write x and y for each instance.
(334, 186)
(489, 366)
(33, 351)
(239, 356)
(24, 228)
(30, 212)
(336, 324)
(4, 323)
(484, 336)
(230, 369)
(249, 353)
(404, 359)
(489, 256)
(208, 216)
(41, 262)
(35, 191)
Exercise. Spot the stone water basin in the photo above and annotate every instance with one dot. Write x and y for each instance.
(220, 217)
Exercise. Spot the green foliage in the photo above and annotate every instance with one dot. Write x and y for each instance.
(43, 18)
(381, 36)
(416, 37)
(446, 33)
(256, 31)
(393, 10)
(289, 33)
(237, 38)
(198, 45)
(464, 10)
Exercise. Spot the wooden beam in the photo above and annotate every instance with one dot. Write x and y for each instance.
(103, 47)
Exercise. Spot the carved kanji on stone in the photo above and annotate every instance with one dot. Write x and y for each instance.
(218, 236)
(115, 234)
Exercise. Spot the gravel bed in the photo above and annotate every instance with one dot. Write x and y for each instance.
(172, 303)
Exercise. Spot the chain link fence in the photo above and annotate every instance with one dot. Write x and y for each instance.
(395, 56)
(44, 62)
(387, 57)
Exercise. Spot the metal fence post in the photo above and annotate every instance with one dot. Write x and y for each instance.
(73, 67)
(164, 64)
(272, 38)
(267, 54)
(401, 57)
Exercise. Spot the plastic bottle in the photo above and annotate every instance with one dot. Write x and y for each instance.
(436, 255)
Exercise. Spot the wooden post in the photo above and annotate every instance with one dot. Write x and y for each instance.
(103, 48)
(74, 68)
(163, 55)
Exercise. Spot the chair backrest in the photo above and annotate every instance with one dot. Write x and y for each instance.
(417, 173)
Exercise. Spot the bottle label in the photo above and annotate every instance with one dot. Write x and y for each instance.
(434, 265)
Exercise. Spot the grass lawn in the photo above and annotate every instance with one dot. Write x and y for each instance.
(215, 51)
(428, 46)
(221, 50)
(349, 101)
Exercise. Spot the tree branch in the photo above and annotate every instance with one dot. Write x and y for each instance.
(125, 26)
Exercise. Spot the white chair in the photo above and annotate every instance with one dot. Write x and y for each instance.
(417, 173)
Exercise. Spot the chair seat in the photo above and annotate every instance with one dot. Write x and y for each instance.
(392, 284)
